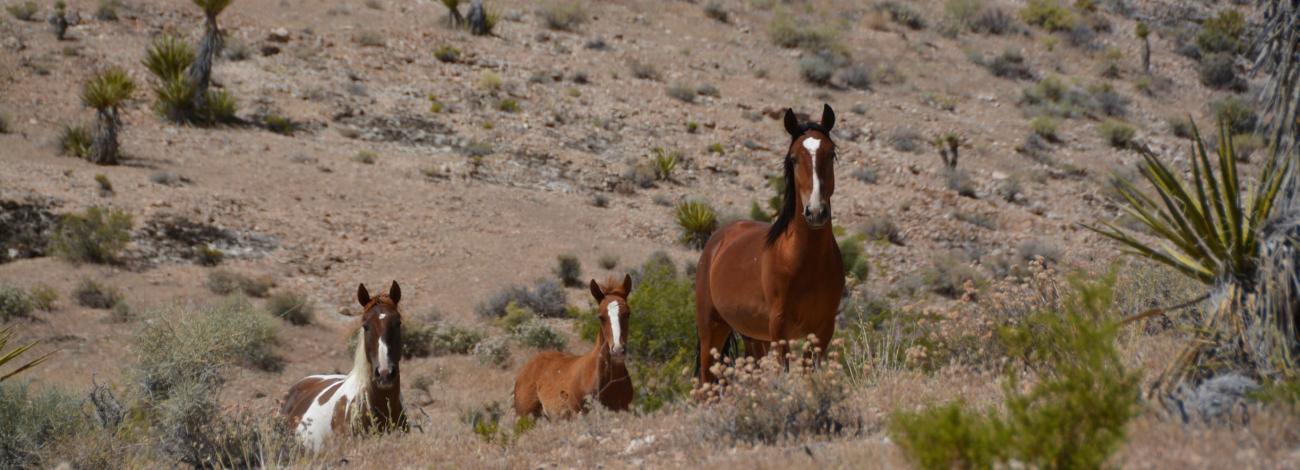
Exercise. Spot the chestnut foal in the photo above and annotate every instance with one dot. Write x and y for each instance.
(557, 384)
(368, 398)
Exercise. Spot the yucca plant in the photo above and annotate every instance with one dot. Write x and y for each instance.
(12, 356)
(167, 58)
(200, 72)
(106, 92)
(453, 13)
(1208, 230)
(664, 163)
(697, 221)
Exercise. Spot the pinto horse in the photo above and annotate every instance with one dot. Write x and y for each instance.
(557, 384)
(369, 398)
(779, 281)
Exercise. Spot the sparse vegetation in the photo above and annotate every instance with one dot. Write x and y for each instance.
(43, 297)
(35, 421)
(643, 70)
(949, 275)
(562, 15)
(663, 162)
(569, 270)
(697, 221)
(1009, 64)
(225, 282)
(200, 72)
(293, 307)
(94, 236)
(1235, 113)
(547, 298)
(74, 141)
(447, 54)
(508, 105)
(14, 303)
(92, 294)
(681, 92)
(1048, 14)
(279, 124)
(714, 9)
(812, 37)
(902, 13)
(366, 157)
(817, 69)
(23, 10)
(1116, 133)
(1046, 128)
(1219, 71)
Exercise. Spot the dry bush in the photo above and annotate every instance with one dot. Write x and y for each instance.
(224, 282)
(569, 270)
(91, 294)
(34, 422)
(760, 402)
(14, 303)
(94, 236)
(547, 298)
(293, 307)
(562, 15)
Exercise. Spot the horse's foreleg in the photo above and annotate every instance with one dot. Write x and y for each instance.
(776, 329)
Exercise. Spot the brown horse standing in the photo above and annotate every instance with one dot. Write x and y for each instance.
(367, 399)
(557, 384)
(781, 281)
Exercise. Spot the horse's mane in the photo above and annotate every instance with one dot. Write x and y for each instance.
(787, 207)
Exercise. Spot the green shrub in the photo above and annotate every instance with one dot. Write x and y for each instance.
(817, 69)
(537, 335)
(417, 339)
(365, 157)
(903, 14)
(1010, 64)
(948, 274)
(43, 297)
(607, 261)
(714, 10)
(293, 307)
(855, 261)
(644, 70)
(168, 57)
(1235, 113)
(447, 54)
(14, 303)
(716, 148)
(569, 270)
(178, 349)
(225, 282)
(1048, 14)
(547, 298)
(1116, 133)
(455, 340)
(509, 105)
(1046, 128)
(562, 15)
(962, 13)
(812, 37)
(91, 294)
(1181, 126)
(279, 124)
(24, 11)
(697, 220)
(35, 422)
(94, 236)
(882, 229)
(493, 351)
(1219, 71)
(206, 255)
(663, 162)
(74, 141)
(1074, 416)
(681, 92)
(1222, 33)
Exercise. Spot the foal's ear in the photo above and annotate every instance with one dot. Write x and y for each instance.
(627, 283)
(395, 292)
(596, 292)
(792, 123)
(363, 295)
(828, 117)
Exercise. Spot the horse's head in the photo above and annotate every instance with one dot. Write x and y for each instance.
(809, 166)
(382, 325)
(613, 311)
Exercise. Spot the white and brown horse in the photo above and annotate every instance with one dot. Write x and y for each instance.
(557, 384)
(369, 398)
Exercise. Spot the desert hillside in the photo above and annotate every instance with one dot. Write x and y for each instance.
(494, 175)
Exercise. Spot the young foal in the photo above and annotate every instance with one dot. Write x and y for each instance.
(368, 398)
(781, 281)
(558, 384)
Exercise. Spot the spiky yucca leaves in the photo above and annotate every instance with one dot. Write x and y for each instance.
(7, 357)
(168, 57)
(200, 72)
(1208, 230)
(105, 92)
(697, 221)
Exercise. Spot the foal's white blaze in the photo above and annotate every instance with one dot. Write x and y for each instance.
(617, 341)
(384, 365)
(812, 144)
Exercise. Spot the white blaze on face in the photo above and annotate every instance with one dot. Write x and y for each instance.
(812, 144)
(384, 366)
(617, 340)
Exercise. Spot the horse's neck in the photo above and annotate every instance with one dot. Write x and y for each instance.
(803, 244)
(602, 364)
(385, 405)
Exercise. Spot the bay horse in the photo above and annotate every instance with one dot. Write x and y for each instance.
(557, 384)
(778, 281)
(367, 399)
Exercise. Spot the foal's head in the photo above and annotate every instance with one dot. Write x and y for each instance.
(809, 171)
(613, 311)
(382, 325)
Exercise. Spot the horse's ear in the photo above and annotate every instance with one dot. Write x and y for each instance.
(596, 292)
(363, 295)
(792, 123)
(395, 292)
(828, 117)
(627, 283)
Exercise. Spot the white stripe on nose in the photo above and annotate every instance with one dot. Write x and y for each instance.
(617, 340)
(384, 366)
(812, 145)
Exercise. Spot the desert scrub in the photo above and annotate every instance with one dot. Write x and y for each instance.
(949, 275)
(1009, 64)
(817, 69)
(681, 92)
(569, 270)
(547, 298)
(23, 10)
(509, 105)
(14, 303)
(697, 220)
(91, 294)
(853, 257)
(814, 37)
(490, 81)
(760, 402)
(1219, 71)
(43, 297)
(903, 14)
(562, 15)
(1049, 15)
(279, 124)
(538, 335)
(224, 282)
(1235, 113)
(293, 307)
(607, 261)
(1074, 415)
(35, 422)
(493, 351)
(882, 228)
(205, 255)
(1222, 33)
(74, 141)
(447, 54)
(1116, 133)
(365, 157)
(94, 236)
(452, 339)
(643, 70)
(1046, 127)
(182, 348)
(663, 162)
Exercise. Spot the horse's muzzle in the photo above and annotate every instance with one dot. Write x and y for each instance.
(385, 379)
(816, 218)
(618, 352)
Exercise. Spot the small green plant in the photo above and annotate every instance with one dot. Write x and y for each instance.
(106, 92)
(207, 255)
(37, 420)
(812, 37)
(817, 69)
(1235, 113)
(697, 221)
(1222, 33)
(664, 162)
(91, 294)
(538, 335)
(1116, 133)
(74, 141)
(490, 81)
(14, 303)
(23, 11)
(105, 186)
(903, 14)
(293, 307)
(366, 157)
(279, 124)
(1219, 71)
(224, 282)
(716, 148)
(643, 70)
(1046, 128)
(455, 340)
(1048, 14)
(1010, 64)
(562, 15)
(681, 92)
(853, 257)
(447, 54)
(485, 422)
(508, 105)
(569, 270)
(43, 297)
(94, 236)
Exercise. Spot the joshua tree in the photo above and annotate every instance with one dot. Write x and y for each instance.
(105, 92)
(478, 21)
(200, 73)
(1142, 33)
(1279, 42)
(453, 13)
(59, 20)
